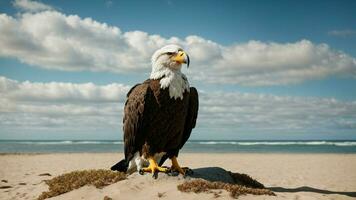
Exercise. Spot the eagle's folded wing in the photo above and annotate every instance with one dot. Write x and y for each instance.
(134, 121)
(191, 116)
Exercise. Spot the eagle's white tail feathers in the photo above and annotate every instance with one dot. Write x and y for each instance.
(138, 162)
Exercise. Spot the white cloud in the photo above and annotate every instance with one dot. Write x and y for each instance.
(53, 40)
(258, 63)
(248, 111)
(109, 3)
(343, 33)
(31, 6)
(101, 107)
(31, 105)
(57, 91)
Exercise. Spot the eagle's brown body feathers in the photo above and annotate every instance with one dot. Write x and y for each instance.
(154, 122)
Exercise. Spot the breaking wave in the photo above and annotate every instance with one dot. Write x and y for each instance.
(64, 142)
(217, 142)
(277, 143)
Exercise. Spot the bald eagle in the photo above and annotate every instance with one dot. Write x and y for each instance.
(159, 115)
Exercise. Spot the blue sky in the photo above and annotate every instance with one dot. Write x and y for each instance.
(323, 93)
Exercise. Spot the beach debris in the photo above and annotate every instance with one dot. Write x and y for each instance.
(161, 194)
(5, 187)
(4, 181)
(22, 184)
(45, 174)
(76, 179)
(107, 198)
(216, 194)
(200, 185)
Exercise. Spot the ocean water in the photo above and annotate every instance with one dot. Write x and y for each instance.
(198, 146)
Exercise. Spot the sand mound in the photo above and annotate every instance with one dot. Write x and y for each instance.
(203, 180)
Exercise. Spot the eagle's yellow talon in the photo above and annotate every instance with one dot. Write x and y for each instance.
(153, 167)
(176, 167)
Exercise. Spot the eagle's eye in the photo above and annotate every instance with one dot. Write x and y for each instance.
(169, 53)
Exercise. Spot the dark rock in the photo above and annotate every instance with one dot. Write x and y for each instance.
(107, 198)
(45, 174)
(213, 174)
(5, 187)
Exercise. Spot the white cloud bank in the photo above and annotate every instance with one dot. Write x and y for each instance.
(260, 112)
(53, 40)
(343, 33)
(57, 91)
(32, 105)
(31, 6)
(27, 106)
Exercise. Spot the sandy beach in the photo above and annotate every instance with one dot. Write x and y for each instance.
(290, 176)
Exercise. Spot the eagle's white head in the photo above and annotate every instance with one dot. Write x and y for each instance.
(166, 65)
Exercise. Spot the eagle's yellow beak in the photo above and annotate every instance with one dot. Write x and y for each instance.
(181, 57)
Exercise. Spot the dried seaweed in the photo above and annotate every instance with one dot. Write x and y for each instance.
(76, 179)
(235, 190)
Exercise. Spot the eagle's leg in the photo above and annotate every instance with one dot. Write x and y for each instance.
(176, 167)
(153, 168)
